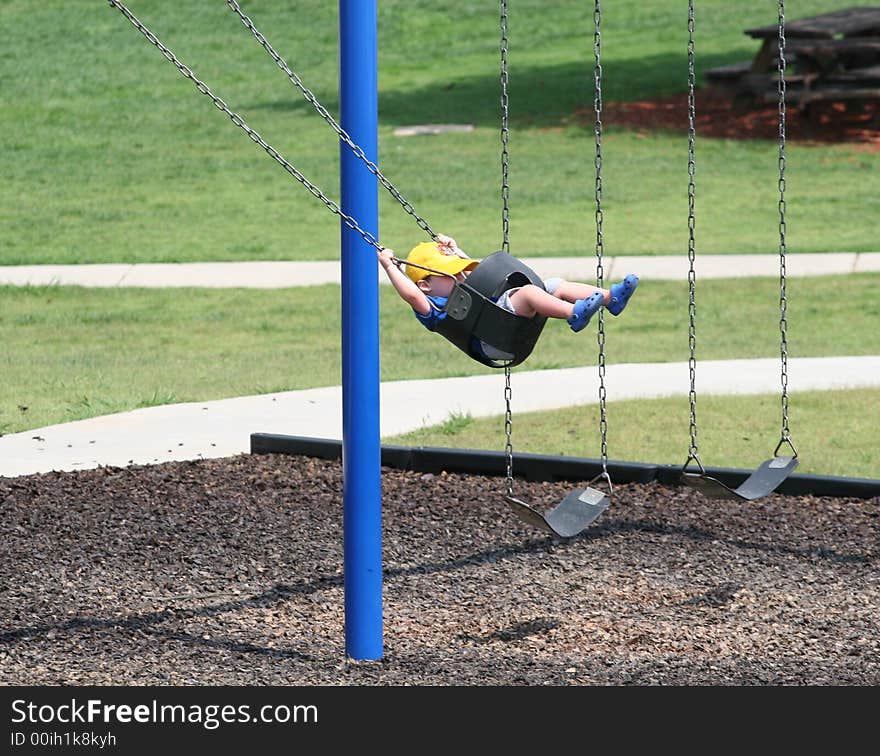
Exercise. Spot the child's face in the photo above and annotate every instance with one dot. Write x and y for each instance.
(441, 286)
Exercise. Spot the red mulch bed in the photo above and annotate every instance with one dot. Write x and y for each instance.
(718, 117)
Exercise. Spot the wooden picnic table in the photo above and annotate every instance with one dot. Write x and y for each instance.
(852, 22)
(832, 56)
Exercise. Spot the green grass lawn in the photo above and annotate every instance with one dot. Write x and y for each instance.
(71, 353)
(834, 432)
(110, 155)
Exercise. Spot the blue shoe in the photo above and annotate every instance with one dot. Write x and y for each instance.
(584, 309)
(620, 294)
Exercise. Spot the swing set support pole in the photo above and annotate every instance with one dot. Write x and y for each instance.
(361, 450)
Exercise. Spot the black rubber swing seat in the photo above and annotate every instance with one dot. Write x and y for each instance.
(572, 516)
(763, 481)
(472, 313)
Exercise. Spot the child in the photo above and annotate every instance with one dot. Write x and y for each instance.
(427, 292)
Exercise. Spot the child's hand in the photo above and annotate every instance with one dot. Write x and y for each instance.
(448, 245)
(386, 257)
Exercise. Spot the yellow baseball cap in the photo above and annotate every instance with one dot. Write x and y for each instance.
(428, 255)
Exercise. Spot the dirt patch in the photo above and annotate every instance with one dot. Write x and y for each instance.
(229, 572)
(718, 117)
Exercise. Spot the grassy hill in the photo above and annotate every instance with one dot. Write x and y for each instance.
(111, 155)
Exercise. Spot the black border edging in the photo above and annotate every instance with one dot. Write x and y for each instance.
(541, 467)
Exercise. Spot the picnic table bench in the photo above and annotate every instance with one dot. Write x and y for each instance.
(832, 56)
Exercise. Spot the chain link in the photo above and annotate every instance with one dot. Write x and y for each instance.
(508, 430)
(322, 111)
(600, 239)
(693, 453)
(505, 136)
(505, 234)
(252, 133)
(783, 301)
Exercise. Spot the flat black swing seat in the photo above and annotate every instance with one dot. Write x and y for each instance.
(763, 481)
(572, 516)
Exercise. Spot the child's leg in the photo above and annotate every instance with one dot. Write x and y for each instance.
(531, 300)
(615, 298)
(572, 291)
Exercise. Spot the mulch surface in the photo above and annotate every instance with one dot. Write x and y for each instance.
(229, 572)
(717, 116)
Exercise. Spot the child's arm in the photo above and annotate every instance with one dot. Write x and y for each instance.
(408, 291)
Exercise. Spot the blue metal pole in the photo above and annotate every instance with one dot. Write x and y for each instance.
(361, 452)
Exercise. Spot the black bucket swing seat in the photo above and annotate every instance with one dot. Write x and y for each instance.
(472, 314)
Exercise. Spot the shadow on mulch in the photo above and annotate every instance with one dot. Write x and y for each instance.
(717, 116)
(230, 572)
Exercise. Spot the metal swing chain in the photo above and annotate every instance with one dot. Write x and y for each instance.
(505, 136)
(239, 121)
(600, 241)
(508, 431)
(322, 111)
(783, 302)
(505, 234)
(693, 453)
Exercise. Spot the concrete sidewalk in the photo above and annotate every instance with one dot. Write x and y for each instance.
(222, 428)
(275, 275)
